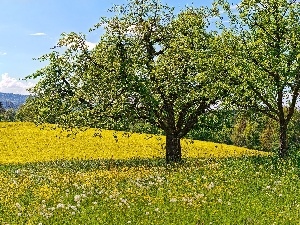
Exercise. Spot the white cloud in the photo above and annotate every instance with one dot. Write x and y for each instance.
(213, 18)
(3, 53)
(12, 85)
(90, 45)
(38, 34)
(233, 7)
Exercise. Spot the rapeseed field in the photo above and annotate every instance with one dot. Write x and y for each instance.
(48, 178)
(24, 142)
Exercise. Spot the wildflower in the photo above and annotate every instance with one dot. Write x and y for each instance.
(123, 200)
(199, 196)
(19, 214)
(219, 200)
(18, 205)
(156, 210)
(173, 200)
(73, 207)
(147, 213)
(95, 203)
(60, 205)
(211, 185)
(77, 198)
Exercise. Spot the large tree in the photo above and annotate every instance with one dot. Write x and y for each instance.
(149, 66)
(263, 51)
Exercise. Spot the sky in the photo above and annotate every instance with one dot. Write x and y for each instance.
(29, 28)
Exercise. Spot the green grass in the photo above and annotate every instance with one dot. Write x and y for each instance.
(247, 190)
(46, 178)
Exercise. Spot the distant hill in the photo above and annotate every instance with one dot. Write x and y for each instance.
(10, 100)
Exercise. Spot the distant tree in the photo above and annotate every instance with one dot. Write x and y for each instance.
(9, 115)
(262, 52)
(149, 66)
(2, 110)
(28, 111)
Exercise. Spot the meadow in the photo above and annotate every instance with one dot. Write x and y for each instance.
(48, 177)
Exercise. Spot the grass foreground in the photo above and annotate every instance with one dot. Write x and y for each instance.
(93, 189)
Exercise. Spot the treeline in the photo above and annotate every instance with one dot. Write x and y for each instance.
(240, 128)
(170, 70)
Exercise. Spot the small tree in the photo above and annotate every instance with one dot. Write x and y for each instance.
(262, 49)
(2, 111)
(149, 66)
(28, 111)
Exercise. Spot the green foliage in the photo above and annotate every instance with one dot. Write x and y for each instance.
(216, 126)
(7, 115)
(261, 50)
(28, 112)
(150, 66)
(2, 111)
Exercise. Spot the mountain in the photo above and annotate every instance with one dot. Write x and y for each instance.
(10, 100)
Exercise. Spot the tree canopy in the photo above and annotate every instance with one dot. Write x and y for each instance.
(150, 65)
(262, 52)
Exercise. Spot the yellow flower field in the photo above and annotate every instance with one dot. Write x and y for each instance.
(24, 142)
(207, 189)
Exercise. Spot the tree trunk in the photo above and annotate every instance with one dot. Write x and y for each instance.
(283, 148)
(173, 148)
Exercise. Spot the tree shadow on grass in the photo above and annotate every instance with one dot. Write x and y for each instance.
(84, 165)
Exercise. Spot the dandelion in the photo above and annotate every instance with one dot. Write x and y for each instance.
(60, 205)
(123, 200)
(77, 198)
(173, 200)
(73, 207)
(18, 205)
(211, 185)
(199, 196)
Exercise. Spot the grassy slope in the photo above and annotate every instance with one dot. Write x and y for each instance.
(23, 142)
(245, 190)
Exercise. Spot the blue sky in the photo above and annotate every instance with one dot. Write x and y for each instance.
(29, 28)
